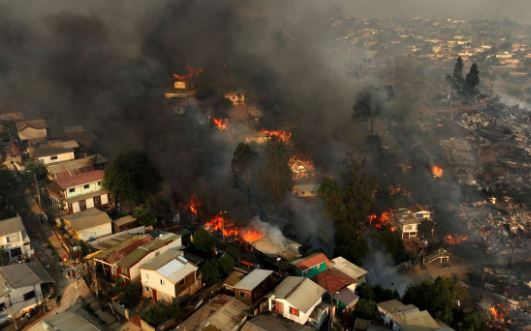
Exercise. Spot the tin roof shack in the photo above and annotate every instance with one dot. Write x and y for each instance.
(76, 167)
(272, 322)
(235, 276)
(222, 313)
(124, 223)
(78, 192)
(296, 298)
(402, 317)
(32, 131)
(310, 266)
(14, 239)
(22, 287)
(169, 276)
(66, 321)
(254, 286)
(87, 225)
(54, 152)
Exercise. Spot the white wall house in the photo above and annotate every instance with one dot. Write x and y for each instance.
(76, 193)
(14, 238)
(54, 152)
(22, 288)
(169, 276)
(296, 298)
(88, 225)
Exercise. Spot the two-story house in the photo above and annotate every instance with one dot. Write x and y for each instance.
(295, 298)
(169, 276)
(14, 239)
(54, 152)
(79, 192)
(412, 222)
(75, 167)
(21, 288)
(88, 224)
(32, 131)
(311, 265)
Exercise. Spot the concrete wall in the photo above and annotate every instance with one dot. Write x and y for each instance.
(15, 303)
(49, 159)
(95, 232)
(301, 319)
(91, 187)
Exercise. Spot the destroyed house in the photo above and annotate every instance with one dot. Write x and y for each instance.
(310, 266)
(169, 276)
(252, 288)
(54, 152)
(296, 298)
(79, 192)
(32, 130)
(414, 222)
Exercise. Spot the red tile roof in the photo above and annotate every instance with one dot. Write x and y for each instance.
(310, 261)
(83, 178)
(333, 280)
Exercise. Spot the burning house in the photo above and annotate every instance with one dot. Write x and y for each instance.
(415, 222)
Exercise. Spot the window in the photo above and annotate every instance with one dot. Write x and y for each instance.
(408, 227)
(86, 186)
(54, 157)
(72, 190)
(162, 282)
(293, 311)
(147, 289)
(29, 295)
(16, 252)
(3, 306)
(99, 183)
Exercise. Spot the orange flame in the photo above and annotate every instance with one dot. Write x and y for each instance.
(437, 172)
(455, 239)
(228, 229)
(381, 222)
(498, 313)
(221, 124)
(301, 168)
(283, 136)
(193, 205)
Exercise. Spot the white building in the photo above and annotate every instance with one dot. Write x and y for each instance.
(54, 152)
(14, 238)
(21, 288)
(72, 194)
(88, 225)
(169, 276)
(296, 298)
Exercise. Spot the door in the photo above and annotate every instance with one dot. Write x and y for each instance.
(154, 294)
(279, 307)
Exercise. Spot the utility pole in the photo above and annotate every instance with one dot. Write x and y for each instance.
(38, 190)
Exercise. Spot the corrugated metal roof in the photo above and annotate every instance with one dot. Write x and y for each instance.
(333, 280)
(300, 292)
(24, 274)
(228, 317)
(309, 261)
(171, 265)
(53, 148)
(348, 268)
(252, 280)
(271, 322)
(66, 321)
(81, 179)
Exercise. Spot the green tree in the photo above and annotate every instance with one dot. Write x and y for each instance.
(242, 161)
(160, 313)
(365, 308)
(438, 297)
(366, 106)
(131, 295)
(203, 241)
(210, 271)
(458, 70)
(473, 321)
(392, 242)
(276, 174)
(132, 178)
(226, 264)
(472, 79)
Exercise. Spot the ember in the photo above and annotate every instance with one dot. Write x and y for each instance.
(437, 172)
(498, 313)
(301, 168)
(221, 124)
(283, 136)
(380, 222)
(193, 205)
(455, 239)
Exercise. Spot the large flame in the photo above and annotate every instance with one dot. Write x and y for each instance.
(437, 172)
(498, 313)
(221, 124)
(455, 239)
(283, 136)
(301, 167)
(229, 229)
(382, 221)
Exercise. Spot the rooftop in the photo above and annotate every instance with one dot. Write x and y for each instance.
(120, 247)
(171, 265)
(141, 251)
(77, 180)
(273, 322)
(309, 261)
(348, 268)
(65, 321)
(227, 318)
(23, 274)
(300, 292)
(253, 279)
(11, 225)
(75, 167)
(333, 280)
(36, 124)
(53, 148)
(87, 219)
(124, 220)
